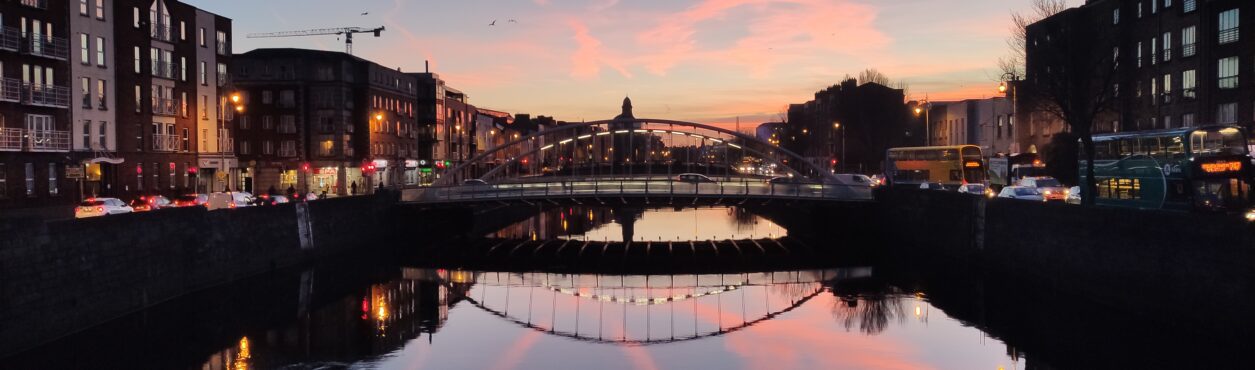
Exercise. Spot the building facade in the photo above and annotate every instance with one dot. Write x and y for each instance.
(35, 128)
(447, 115)
(167, 100)
(1175, 63)
(92, 70)
(988, 123)
(850, 124)
(319, 121)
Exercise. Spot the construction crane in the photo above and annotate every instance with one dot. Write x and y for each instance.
(346, 31)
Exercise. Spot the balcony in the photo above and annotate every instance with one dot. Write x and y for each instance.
(45, 95)
(166, 107)
(222, 79)
(47, 141)
(222, 48)
(11, 90)
(10, 39)
(164, 70)
(287, 152)
(42, 4)
(10, 139)
(160, 32)
(47, 46)
(165, 143)
(1229, 35)
(1188, 50)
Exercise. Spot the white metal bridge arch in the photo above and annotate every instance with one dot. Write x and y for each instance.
(538, 145)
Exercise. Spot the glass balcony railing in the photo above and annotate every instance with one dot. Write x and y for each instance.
(10, 39)
(47, 46)
(47, 140)
(45, 95)
(166, 107)
(165, 143)
(10, 90)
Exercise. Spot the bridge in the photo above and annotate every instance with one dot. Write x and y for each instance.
(637, 160)
(637, 310)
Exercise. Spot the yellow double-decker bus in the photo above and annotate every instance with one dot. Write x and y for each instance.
(950, 166)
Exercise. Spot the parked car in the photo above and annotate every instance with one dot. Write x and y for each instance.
(1049, 187)
(191, 200)
(932, 186)
(150, 203)
(1074, 195)
(1021, 193)
(976, 189)
(270, 200)
(101, 207)
(229, 200)
(694, 178)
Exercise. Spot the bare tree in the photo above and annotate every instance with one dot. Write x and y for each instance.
(871, 75)
(1018, 41)
(1072, 77)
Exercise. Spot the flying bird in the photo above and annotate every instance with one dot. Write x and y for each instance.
(365, 13)
(494, 23)
(513, 21)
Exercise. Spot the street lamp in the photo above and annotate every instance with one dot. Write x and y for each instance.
(836, 126)
(928, 134)
(222, 125)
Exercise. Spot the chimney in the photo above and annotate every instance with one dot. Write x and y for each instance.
(426, 66)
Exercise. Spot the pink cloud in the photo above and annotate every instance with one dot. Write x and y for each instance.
(589, 55)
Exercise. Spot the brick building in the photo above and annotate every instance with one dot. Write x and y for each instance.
(1176, 63)
(35, 126)
(313, 120)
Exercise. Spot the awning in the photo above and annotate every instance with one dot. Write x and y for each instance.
(105, 160)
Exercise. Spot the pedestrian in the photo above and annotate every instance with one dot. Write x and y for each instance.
(353, 188)
(323, 195)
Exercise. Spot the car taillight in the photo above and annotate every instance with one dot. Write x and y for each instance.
(100, 209)
(231, 205)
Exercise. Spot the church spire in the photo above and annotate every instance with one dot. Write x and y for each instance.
(627, 109)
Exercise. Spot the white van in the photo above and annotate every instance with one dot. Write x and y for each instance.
(229, 200)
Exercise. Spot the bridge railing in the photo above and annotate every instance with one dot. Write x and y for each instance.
(582, 187)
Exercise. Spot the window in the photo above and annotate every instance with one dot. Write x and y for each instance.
(1167, 88)
(139, 177)
(139, 138)
(1189, 5)
(82, 7)
(173, 168)
(137, 60)
(1115, 16)
(101, 97)
(287, 148)
(87, 134)
(1139, 54)
(100, 51)
(1228, 73)
(1228, 26)
(243, 122)
(1167, 46)
(30, 179)
(267, 147)
(182, 31)
(1167, 4)
(153, 170)
(186, 140)
(1154, 91)
(53, 189)
(1139, 9)
(84, 48)
(101, 138)
(244, 148)
(183, 104)
(287, 124)
(267, 122)
(203, 79)
(135, 23)
(86, 84)
(1227, 113)
(1167, 121)
(287, 99)
(1187, 120)
(1154, 50)
(201, 37)
(267, 97)
(182, 68)
(1189, 83)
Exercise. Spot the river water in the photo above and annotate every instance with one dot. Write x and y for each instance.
(418, 313)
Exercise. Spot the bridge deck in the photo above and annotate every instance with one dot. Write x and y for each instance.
(637, 188)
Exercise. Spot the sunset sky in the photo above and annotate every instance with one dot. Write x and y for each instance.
(700, 60)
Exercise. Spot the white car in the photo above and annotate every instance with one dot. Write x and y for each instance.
(1074, 195)
(932, 186)
(101, 207)
(1021, 193)
(229, 200)
(976, 189)
(1050, 188)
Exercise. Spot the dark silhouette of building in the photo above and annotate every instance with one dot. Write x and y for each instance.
(1177, 63)
(317, 120)
(871, 117)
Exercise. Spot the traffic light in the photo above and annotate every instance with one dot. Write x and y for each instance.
(305, 167)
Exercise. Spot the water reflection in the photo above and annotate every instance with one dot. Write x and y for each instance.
(642, 224)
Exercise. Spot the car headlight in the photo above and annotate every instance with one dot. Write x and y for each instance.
(1250, 215)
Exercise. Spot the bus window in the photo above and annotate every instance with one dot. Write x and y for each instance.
(971, 153)
(1220, 193)
(1128, 147)
(949, 155)
(974, 175)
(1150, 146)
(1174, 147)
(956, 175)
(1223, 141)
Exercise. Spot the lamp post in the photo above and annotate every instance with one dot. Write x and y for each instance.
(926, 110)
(1007, 87)
(222, 125)
(841, 163)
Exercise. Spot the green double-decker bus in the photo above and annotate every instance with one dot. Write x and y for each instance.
(1200, 168)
